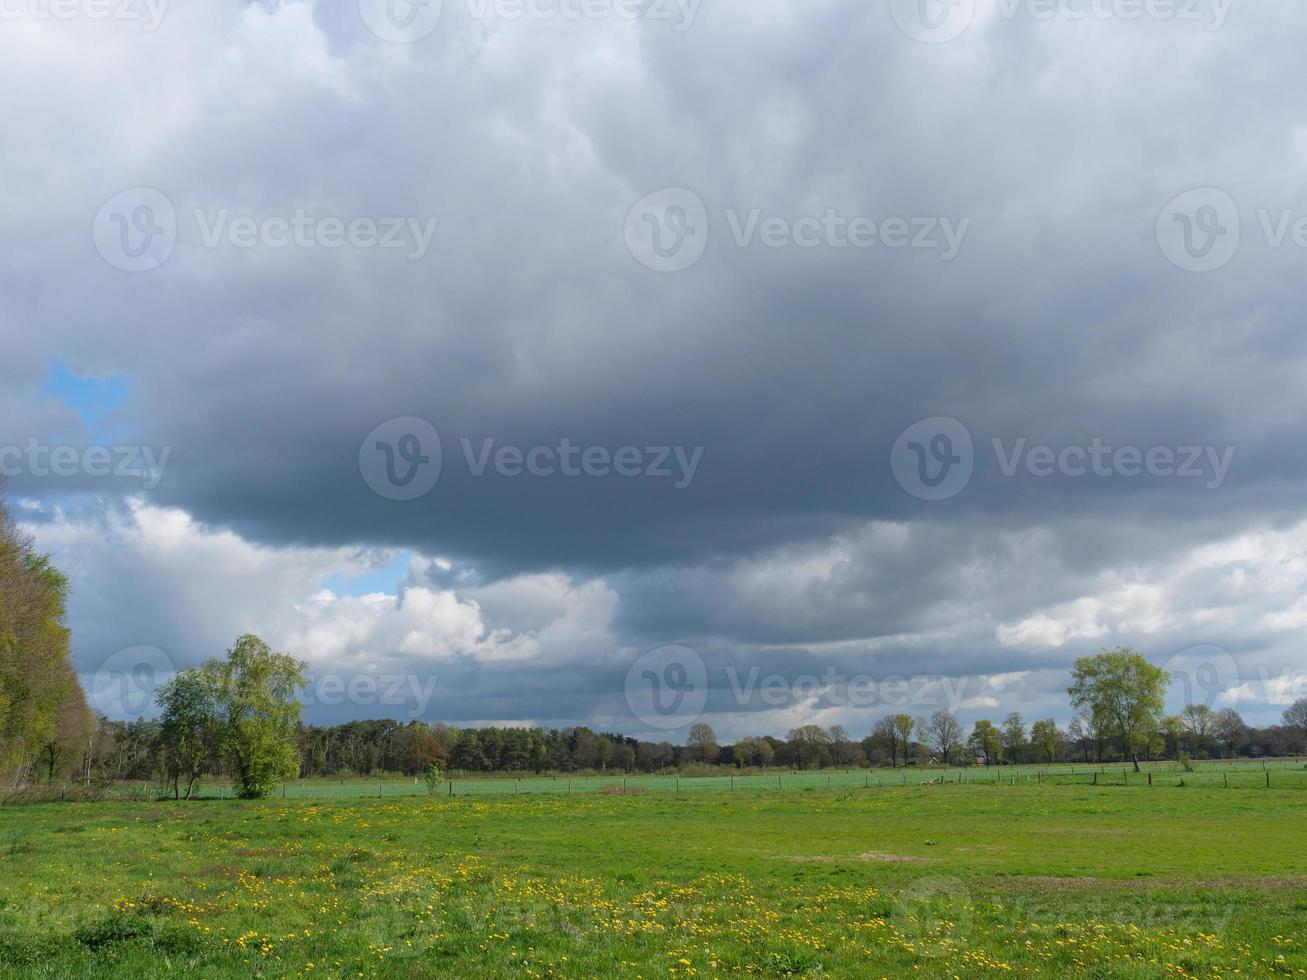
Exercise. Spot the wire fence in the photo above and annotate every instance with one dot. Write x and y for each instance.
(1213, 774)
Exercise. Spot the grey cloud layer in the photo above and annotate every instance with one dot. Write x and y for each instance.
(527, 321)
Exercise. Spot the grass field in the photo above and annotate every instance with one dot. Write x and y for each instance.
(1052, 878)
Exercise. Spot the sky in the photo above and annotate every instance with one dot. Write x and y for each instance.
(630, 364)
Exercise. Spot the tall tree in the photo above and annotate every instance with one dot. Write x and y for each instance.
(1044, 737)
(1295, 716)
(1199, 723)
(1230, 730)
(811, 745)
(42, 707)
(986, 741)
(1014, 737)
(702, 742)
(842, 750)
(943, 732)
(259, 710)
(1124, 693)
(885, 736)
(190, 726)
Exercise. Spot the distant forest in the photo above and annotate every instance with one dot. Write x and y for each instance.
(131, 750)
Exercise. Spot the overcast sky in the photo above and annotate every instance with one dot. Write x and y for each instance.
(479, 350)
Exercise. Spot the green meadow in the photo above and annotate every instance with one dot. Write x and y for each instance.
(1051, 876)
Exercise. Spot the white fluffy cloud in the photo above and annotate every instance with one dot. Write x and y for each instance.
(193, 589)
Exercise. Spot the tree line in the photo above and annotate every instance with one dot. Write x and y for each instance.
(1118, 695)
(239, 718)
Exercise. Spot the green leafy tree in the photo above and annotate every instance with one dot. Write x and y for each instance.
(1043, 738)
(435, 776)
(702, 742)
(190, 726)
(1014, 737)
(1199, 722)
(1124, 694)
(1230, 730)
(986, 741)
(811, 745)
(893, 733)
(258, 712)
(903, 728)
(43, 715)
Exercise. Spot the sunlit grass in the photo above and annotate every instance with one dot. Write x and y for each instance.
(943, 880)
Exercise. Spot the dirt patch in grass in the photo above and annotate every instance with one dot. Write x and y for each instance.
(874, 857)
